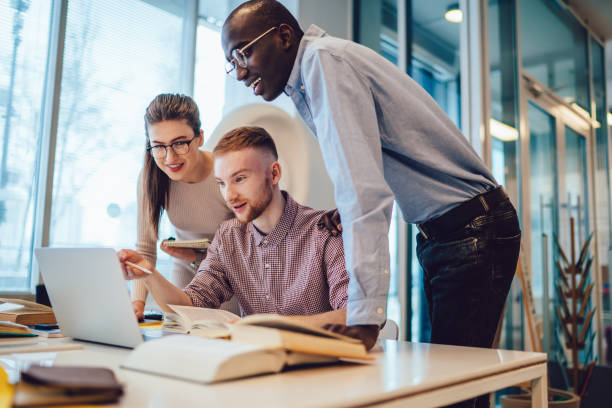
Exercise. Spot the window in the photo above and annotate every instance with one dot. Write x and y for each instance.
(210, 76)
(117, 56)
(100, 136)
(24, 36)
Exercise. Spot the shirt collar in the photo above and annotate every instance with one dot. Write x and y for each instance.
(295, 79)
(283, 226)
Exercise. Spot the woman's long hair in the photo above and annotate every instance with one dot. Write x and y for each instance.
(156, 183)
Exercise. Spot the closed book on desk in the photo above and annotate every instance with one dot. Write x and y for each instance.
(203, 360)
(62, 385)
(25, 312)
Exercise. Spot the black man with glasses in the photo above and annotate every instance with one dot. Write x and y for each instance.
(384, 139)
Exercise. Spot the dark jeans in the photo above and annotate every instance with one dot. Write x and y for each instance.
(467, 276)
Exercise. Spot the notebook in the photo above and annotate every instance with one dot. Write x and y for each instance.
(200, 244)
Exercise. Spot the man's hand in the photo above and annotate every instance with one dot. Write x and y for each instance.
(367, 333)
(138, 306)
(331, 222)
(130, 272)
(186, 254)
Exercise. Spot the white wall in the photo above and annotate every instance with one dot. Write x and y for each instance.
(334, 16)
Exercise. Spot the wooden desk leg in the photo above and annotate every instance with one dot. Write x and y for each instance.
(539, 391)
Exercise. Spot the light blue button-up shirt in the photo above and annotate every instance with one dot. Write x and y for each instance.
(382, 138)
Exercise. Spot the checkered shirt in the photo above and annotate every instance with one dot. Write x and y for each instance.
(296, 269)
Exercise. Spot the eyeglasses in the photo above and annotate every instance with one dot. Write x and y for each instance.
(160, 151)
(240, 58)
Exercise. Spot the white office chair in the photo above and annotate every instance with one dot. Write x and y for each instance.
(390, 331)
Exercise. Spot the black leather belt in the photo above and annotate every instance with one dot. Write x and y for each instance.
(460, 216)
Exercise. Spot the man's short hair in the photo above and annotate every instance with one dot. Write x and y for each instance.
(245, 137)
(270, 12)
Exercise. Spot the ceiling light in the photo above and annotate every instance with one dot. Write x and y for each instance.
(454, 13)
(502, 132)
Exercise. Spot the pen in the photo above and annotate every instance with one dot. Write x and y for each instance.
(140, 268)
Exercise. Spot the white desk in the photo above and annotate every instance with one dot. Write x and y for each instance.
(405, 374)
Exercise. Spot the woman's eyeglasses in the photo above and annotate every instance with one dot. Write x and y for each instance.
(180, 147)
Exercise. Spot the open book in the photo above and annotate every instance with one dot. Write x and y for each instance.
(203, 360)
(198, 321)
(25, 312)
(218, 350)
(268, 330)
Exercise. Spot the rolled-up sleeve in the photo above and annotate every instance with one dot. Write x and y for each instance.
(210, 286)
(344, 115)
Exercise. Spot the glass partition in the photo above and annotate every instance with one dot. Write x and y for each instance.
(576, 185)
(504, 96)
(504, 125)
(543, 205)
(435, 55)
(554, 49)
(602, 175)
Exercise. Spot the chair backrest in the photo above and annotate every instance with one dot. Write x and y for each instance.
(390, 331)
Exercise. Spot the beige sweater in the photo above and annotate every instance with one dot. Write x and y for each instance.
(195, 211)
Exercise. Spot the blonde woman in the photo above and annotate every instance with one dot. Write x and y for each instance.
(177, 178)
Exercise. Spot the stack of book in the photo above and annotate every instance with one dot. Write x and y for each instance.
(10, 329)
(25, 312)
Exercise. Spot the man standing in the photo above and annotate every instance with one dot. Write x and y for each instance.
(383, 138)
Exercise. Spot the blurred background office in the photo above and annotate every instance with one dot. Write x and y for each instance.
(525, 80)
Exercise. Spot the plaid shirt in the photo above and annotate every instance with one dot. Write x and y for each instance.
(296, 269)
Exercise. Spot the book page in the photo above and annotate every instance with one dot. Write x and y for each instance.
(191, 316)
(286, 323)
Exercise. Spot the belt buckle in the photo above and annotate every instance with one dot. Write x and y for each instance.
(422, 231)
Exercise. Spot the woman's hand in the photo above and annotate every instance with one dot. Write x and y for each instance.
(185, 254)
(129, 272)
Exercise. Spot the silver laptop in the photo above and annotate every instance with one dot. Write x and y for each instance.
(89, 295)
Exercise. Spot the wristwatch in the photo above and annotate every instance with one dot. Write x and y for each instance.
(200, 255)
